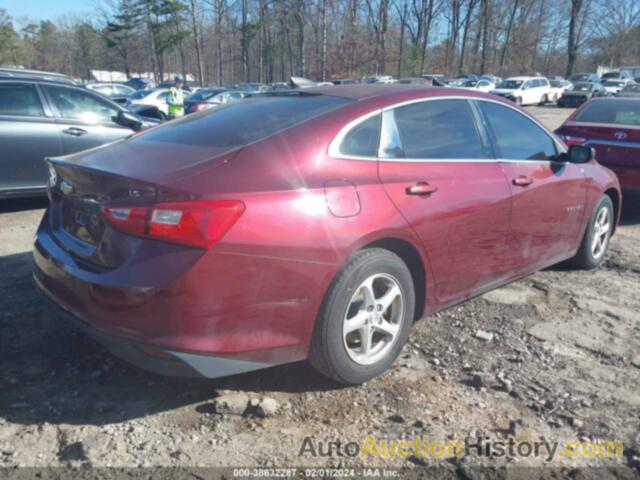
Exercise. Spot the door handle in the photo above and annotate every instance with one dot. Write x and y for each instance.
(422, 189)
(522, 181)
(76, 132)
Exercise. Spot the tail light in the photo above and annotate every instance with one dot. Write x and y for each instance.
(569, 140)
(199, 224)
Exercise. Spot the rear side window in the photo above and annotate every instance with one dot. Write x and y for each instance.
(515, 136)
(241, 123)
(437, 129)
(618, 112)
(362, 140)
(20, 100)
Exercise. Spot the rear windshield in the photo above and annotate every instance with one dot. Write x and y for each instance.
(617, 112)
(245, 122)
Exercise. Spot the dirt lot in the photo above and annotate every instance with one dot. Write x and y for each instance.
(563, 364)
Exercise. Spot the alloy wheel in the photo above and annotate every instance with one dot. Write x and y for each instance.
(373, 319)
(601, 233)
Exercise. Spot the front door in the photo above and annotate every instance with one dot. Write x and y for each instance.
(435, 167)
(549, 196)
(85, 120)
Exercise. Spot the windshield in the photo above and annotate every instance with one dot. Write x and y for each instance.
(139, 94)
(510, 84)
(611, 83)
(201, 95)
(242, 123)
(556, 83)
(579, 78)
(582, 87)
(618, 112)
(632, 88)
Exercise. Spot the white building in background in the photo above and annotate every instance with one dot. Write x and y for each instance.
(108, 76)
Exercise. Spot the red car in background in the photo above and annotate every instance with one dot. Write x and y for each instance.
(612, 127)
(316, 223)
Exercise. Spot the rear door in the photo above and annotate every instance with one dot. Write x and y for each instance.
(549, 196)
(85, 120)
(28, 133)
(435, 166)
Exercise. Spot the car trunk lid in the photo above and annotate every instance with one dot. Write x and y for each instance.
(88, 182)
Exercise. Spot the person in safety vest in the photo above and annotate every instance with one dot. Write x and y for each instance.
(176, 98)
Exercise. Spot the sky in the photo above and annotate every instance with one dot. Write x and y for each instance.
(47, 9)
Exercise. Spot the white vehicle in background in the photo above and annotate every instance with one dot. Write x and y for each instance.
(558, 87)
(483, 85)
(614, 85)
(478, 85)
(152, 98)
(524, 90)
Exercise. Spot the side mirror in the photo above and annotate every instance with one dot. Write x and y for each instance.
(128, 119)
(580, 154)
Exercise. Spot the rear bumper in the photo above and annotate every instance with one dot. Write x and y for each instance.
(217, 314)
(629, 177)
(571, 101)
(156, 360)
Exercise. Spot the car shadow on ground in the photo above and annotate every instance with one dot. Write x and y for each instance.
(630, 209)
(8, 205)
(50, 372)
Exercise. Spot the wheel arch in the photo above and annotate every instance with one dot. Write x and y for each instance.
(412, 258)
(616, 199)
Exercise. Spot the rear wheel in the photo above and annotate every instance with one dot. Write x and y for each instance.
(365, 318)
(519, 101)
(596, 239)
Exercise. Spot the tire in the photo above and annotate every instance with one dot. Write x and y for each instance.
(543, 100)
(588, 257)
(343, 356)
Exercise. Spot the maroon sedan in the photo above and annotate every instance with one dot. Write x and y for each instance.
(612, 127)
(312, 224)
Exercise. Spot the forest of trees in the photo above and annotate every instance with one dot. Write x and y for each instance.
(228, 41)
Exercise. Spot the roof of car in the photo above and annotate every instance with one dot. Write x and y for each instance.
(11, 78)
(524, 77)
(367, 90)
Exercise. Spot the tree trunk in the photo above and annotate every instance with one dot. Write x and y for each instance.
(485, 34)
(572, 42)
(196, 41)
(323, 61)
(512, 17)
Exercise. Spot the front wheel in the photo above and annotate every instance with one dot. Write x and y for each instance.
(365, 318)
(543, 100)
(596, 239)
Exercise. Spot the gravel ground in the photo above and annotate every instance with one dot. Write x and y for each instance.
(554, 356)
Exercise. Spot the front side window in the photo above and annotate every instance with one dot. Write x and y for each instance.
(20, 100)
(516, 137)
(362, 140)
(438, 129)
(75, 104)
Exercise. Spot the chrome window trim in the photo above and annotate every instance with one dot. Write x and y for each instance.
(334, 146)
